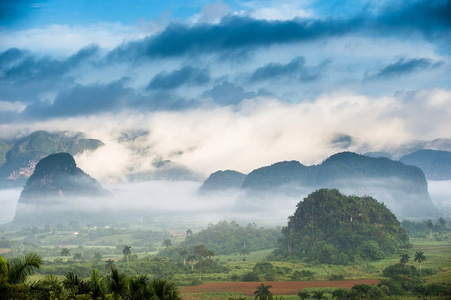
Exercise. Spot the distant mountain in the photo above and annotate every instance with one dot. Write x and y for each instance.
(166, 170)
(22, 155)
(223, 180)
(402, 188)
(435, 164)
(53, 191)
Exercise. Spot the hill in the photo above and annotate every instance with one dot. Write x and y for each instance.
(402, 188)
(55, 189)
(435, 164)
(23, 154)
(328, 227)
(223, 180)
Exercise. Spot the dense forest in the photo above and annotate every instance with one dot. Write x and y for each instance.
(329, 227)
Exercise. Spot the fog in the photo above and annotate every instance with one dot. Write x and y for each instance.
(181, 204)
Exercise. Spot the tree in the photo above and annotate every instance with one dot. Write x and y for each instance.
(362, 290)
(163, 289)
(191, 259)
(318, 295)
(138, 287)
(202, 253)
(189, 232)
(65, 252)
(97, 256)
(96, 284)
(244, 252)
(404, 259)
(117, 283)
(78, 256)
(109, 265)
(18, 269)
(340, 294)
(184, 254)
(419, 257)
(166, 243)
(263, 293)
(442, 223)
(127, 252)
(304, 295)
(430, 226)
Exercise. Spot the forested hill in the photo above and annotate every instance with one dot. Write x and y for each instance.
(18, 158)
(328, 227)
(53, 189)
(435, 164)
(402, 188)
(224, 180)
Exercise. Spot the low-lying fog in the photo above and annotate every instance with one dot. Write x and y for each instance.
(182, 202)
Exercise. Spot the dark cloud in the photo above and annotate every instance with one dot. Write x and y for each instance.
(430, 17)
(404, 66)
(228, 94)
(295, 68)
(238, 33)
(84, 100)
(185, 76)
(24, 75)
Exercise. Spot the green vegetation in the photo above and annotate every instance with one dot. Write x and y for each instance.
(329, 227)
(227, 238)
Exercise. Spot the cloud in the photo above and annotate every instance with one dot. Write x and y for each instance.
(227, 93)
(240, 32)
(295, 68)
(213, 12)
(185, 76)
(405, 66)
(84, 100)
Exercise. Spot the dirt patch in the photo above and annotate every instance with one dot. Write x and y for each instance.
(277, 287)
(5, 250)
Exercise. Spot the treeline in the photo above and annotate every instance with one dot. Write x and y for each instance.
(425, 229)
(228, 238)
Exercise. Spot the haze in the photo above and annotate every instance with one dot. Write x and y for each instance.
(217, 85)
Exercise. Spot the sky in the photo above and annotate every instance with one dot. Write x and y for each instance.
(217, 85)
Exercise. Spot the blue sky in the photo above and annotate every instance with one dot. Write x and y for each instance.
(226, 84)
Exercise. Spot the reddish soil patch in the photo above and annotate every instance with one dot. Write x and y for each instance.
(277, 287)
(4, 250)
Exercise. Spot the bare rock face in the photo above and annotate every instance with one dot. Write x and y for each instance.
(56, 188)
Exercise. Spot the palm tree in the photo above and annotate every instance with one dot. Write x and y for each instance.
(244, 252)
(139, 288)
(419, 257)
(109, 265)
(404, 259)
(340, 294)
(17, 269)
(202, 253)
(166, 243)
(430, 226)
(117, 283)
(52, 284)
(127, 252)
(362, 290)
(163, 289)
(263, 293)
(318, 295)
(184, 254)
(65, 252)
(96, 284)
(76, 285)
(304, 295)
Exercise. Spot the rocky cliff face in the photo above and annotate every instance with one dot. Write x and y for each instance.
(18, 158)
(56, 188)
